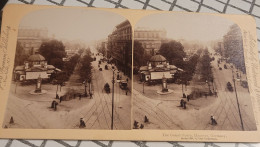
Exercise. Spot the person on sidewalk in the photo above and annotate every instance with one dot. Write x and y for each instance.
(57, 96)
(213, 120)
(82, 123)
(184, 104)
(181, 103)
(188, 98)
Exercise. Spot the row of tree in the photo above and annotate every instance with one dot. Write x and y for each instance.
(206, 69)
(85, 66)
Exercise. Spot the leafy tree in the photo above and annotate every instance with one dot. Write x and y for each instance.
(85, 69)
(173, 52)
(52, 49)
(80, 51)
(20, 55)
(88, 52)
(57, 62)
(127, 57)
(101, 49)
(60, 77)
(206, 67)
(138, 54)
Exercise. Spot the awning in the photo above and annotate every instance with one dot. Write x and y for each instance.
(145, 72)
(20, 68)
(143, 68)
(20, 72)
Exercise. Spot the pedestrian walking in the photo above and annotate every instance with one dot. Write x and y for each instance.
(184, 95)
(55, 105)
(11, 120)
(146, 120)
(90, 94)
(213, 120)
(135, 124)
(181, 103)
(57, 96)
(126, 92)
(82, 123)
(80, 97)
(188, 98)
(184, 104)
(141, 126)
(52, 104)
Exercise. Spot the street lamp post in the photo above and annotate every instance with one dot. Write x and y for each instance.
(113, 82)
(143, 86)
(242, 125)
(208, 85)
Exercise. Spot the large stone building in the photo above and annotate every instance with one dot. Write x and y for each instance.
(119, 47)
(33, 67)
(233, 47)
(150, 39)
(31, 38)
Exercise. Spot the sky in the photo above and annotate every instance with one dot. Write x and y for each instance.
(74, 24)
(188, 26)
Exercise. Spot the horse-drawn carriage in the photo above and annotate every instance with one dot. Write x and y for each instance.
(123, 84)
(106, 67)
(107, 88)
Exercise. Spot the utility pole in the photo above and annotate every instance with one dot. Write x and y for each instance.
(112, 119)
(143, 86)
(208, 84)
(237, 101)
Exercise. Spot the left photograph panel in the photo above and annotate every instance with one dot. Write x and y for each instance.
(72, 70)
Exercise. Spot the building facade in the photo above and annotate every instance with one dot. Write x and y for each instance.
(31, 38)
(119, 47)
(150, 39)
(233, 47)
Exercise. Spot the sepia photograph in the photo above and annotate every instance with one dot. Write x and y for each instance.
(119, 74)
(189, 74)
(72, 70)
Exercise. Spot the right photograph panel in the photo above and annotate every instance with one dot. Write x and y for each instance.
(189, 74)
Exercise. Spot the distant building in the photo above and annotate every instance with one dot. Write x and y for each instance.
(156, 68)
(33, 67)
(233, 47)
(31, 38)
(150, 39)
(119, 47)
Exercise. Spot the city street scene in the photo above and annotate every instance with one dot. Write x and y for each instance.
(189, 74)
(72, 74)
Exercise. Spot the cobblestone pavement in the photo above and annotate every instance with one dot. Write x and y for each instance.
(251, 7)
